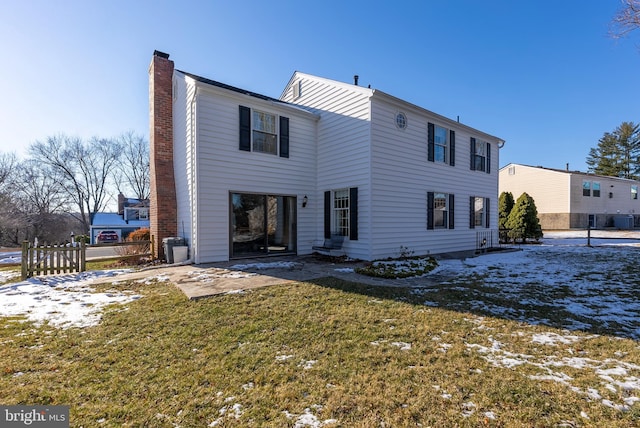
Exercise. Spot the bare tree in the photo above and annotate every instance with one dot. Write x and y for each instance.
(627, 19)
(133, 170)
(81, 169)
(12, 222)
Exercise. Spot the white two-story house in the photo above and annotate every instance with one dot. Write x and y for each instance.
(239, 174)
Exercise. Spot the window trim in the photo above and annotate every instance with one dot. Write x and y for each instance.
(246, 132)
(486, 165)
(450, 211)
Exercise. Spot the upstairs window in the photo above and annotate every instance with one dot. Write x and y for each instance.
(634, 192)
(265, 139)
(595, 187)
(441, 144)
(586, 188)
(481, 156)
(264, 132)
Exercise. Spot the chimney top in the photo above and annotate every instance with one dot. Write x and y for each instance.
(355, 80)
(161, 54)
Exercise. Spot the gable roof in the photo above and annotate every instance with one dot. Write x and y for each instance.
(376, 93)
(229, 87)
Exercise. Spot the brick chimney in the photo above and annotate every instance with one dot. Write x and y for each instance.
(163, 205)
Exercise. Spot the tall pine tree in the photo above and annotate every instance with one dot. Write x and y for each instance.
(617, 153)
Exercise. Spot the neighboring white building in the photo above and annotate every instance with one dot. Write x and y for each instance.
(255, 175)
(573, 199)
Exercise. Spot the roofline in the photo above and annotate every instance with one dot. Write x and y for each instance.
(379, 93)
(350, 86)
(564, 171)
(215, 83)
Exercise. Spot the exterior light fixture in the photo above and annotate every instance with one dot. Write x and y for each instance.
(304, 201)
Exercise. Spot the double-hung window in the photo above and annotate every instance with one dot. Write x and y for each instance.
(480, 155)
(441, 146)
(265, 138)
(264, 132)
(478, 212)
(634, 192)
(586, 188)
(595, 187)
(341, 213)
(440, 212)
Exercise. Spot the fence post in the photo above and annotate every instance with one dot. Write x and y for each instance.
(25, 259)
(153, 248)
(83, 256)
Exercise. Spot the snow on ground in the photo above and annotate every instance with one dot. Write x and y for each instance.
(593, 287)
(62, 300)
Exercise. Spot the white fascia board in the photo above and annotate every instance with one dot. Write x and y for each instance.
(390, 98)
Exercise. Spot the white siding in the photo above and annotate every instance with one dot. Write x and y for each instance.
(182, 157)
(343, 153)
(402, 176)
(222, 168)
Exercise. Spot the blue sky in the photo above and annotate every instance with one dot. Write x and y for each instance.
(544, 75)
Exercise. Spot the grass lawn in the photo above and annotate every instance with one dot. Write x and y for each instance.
(327, 353)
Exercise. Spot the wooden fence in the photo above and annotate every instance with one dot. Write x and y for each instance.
(65, 258)
(52, 259)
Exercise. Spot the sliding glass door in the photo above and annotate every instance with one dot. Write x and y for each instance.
(262, 224)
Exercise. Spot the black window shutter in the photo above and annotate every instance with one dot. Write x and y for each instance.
(327, 214)
(431, 142)
(488, 158)
(472, 212)
(284, 137)
(430, 210)
(353, 213)
(473, 154)
(245, 128)
(452, 148)
(487, 211)
(451, 210)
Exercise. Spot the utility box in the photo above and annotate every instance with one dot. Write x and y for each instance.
(168, 244)
(180, 254)
(623, 222)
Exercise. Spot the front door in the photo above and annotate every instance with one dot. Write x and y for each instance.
(262, 224)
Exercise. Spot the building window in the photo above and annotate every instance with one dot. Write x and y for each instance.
(480, 156)
(634, 192)
(401, 120)
(478, 212)
(265, 137)
(341, 212)
(259, 132)
(441, 146)
(440, 210)
(586, 188)
(596, 189)
(512, 170)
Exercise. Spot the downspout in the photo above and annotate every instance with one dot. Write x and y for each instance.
(192, 198)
